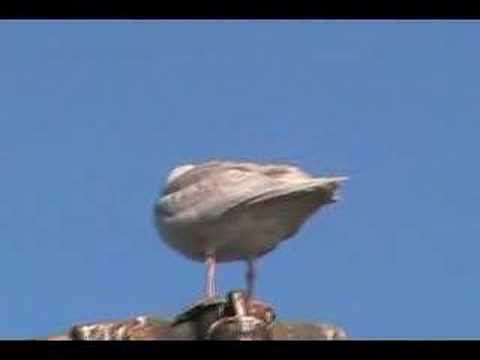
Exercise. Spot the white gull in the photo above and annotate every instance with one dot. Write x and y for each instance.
(223, 211)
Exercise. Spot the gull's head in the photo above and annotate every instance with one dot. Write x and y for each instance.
(179, 170)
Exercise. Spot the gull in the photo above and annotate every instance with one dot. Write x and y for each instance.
(224, 211)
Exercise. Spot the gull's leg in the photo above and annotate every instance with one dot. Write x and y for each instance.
(210, 284)
(250, 277)
(253, 305)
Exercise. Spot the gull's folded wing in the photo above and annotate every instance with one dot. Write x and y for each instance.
(327, 185)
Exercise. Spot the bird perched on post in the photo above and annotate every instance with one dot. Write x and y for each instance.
(223, 211)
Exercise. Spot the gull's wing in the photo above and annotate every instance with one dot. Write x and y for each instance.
(211, 190)
(328, 185)
(324, 188)
(208, 190)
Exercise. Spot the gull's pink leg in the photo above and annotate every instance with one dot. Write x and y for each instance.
(250, 277)
(210, 285)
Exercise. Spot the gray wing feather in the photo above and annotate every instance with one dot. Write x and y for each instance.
(210, 190)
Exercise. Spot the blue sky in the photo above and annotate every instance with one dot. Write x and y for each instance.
(95, 114)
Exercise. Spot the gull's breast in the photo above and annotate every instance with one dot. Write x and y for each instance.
(241, 233)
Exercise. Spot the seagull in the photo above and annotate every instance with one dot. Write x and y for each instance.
(224, 211)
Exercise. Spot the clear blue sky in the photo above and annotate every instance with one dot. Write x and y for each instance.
(94, 115)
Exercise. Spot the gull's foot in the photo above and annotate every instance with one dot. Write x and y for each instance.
(234, 316)
(243, 318)
(261, 310)
(239, 303)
